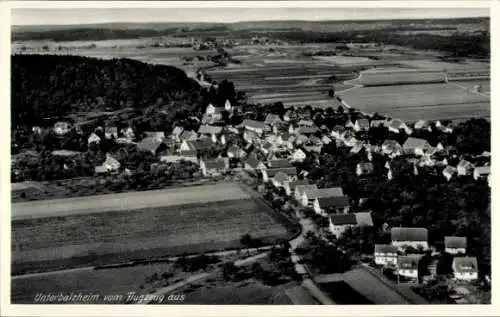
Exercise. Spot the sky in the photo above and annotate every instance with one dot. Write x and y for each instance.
(24, 16)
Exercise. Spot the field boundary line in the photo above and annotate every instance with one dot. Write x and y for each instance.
(466, 89)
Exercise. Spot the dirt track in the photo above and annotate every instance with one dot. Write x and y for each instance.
(127, 201)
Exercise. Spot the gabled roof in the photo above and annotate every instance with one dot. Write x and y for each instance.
(409, 262)
(110, 160)
(252, 161)
(455, 242)
(465, 264)
(330, 192)
(280, 177)
(209, 129)
(364, 219)
(298, 182)
(177, 130)
(65, 153)
(309, 190)
(279, 163)
(422, 124)
(363, 123)
(285, 170)
(449, 170)
(188, 134)
(343, 219)
(339, 129)
(385, 248)
(377, 123)
(465, 164)
(482, 170)
(200, 144)
(215, 164)
(366, 167)
(155, 134)
(189, 153)
(333, 201)
(414, 143)
(396, 124)
(272, 119)
(149, 144)
(253, 124)
(307, 130)
(408, 234)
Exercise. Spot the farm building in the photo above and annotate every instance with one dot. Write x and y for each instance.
(365, 168)
(213, 167)
(465, 268)
(409, 237)
(416, 146)
(385, 254)
(408, 265)
(455, 245)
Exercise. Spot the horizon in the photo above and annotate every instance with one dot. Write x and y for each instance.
(92, 16)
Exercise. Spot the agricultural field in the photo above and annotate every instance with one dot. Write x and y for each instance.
(82, 237)
(485, 85)
(420, 101)
(349, 61)
(398, 77)
(441, 65)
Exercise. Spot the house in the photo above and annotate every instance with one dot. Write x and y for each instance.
(465, 268)
(482, 172)
(339, 223)
(281, 163)
(305, 123)
(301, 139)
(338, 132)
(188, 135)
(209, 130)
(391, 147)
(402, 237)
(275, 139)
(396, 125)
(190, 155)
(151, 144)
(269, 173)
(65, 153)
(178, 158)
(158, 135)
(350, 141)
(377, 123)
(386, 254)
(422, 125)
(94, 138)
(128, 132)
(252, 163)
(464, 168)
(455, 245)
(227, 106)
(330, 199)
(446, 128)
(290, 186)
(109, 165)
(307, 130)
(449, 172)
(365, 168)
(272, 119)
(280, 179)
(361, 125)
(233, 151)
(325, 139)
(308, 190)
(289, 115)
(298, 156)
(348, 124)
(250, 136)
(356, 148)
(111, 132)
(252, 125)
(213, 167)
(36, 130)
(176, 133)
(408, 265)
(62, 127)
(416, 146)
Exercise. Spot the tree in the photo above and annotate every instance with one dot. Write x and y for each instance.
(340, 110)
(247, 240)
(229, 271)
(331, 93)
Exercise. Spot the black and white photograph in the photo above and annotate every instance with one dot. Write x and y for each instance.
(249, 155)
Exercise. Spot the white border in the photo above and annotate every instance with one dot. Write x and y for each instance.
(201, 310)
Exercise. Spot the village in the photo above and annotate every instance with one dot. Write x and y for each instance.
(277, 155)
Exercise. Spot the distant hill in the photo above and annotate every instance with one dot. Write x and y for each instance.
(54, 86)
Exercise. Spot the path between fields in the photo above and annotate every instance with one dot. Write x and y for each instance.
(173, 258)
(469, 90)
(198, 277)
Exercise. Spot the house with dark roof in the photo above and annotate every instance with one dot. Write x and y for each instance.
(364, 168)
(361, 125)
(465, 268)
(455, 245)
(213, 167)
(408, 265)
(269, 173)
(252, 163)
(253, 125)
(385, 254)
(416, 146)
(329, 200)
(339, 223)
(302, 191)
(307, 130)
(403, 237)
(279, 179)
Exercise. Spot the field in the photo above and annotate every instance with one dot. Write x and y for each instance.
(394, 77)
(86, 238)
(420, 101)
(441, 65)
(349, 61)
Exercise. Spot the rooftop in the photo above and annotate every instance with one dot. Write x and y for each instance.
(455, 242)
(343, 219)
(408, 234)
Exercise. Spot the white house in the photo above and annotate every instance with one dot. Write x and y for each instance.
(416, 146)
(213, 167)
(62, 127)
(455, 245)
(361, 125)
(365, 168)
(302, 192)
(422, 125)
(298, 155)
(94, 138)
(481, 172)
(385, 254)
(391, 147)
(227, 106)
(402, 237)
(350, 141)
(464, 168)
(176, 133)
(465, 268)
(396, 125)
(408, 265)
(290, 186)
(449, 172)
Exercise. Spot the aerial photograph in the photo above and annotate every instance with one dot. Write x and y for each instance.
(250, 156)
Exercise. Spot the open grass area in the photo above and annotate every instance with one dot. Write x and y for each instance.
(50, 243)
(415, 102)
(381, 78)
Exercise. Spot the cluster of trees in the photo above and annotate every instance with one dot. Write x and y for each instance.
(197, 263)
